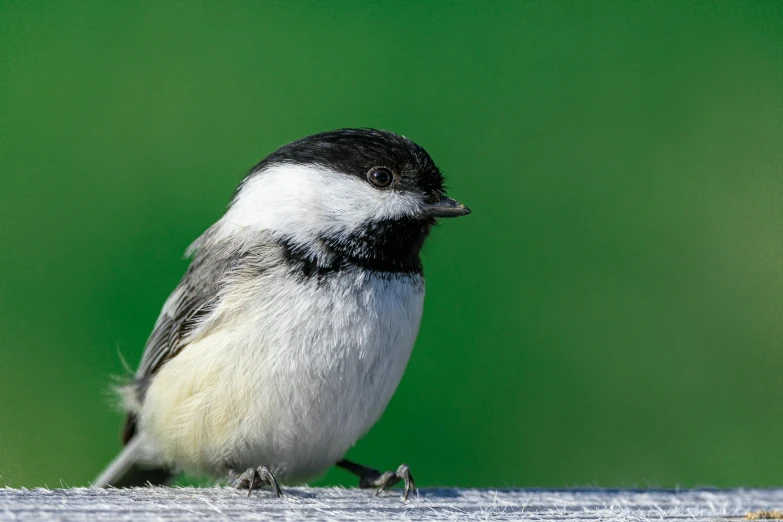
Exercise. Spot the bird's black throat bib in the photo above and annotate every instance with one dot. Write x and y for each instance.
(386, 246)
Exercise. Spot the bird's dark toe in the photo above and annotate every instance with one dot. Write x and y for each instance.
(253, 478)
(370, 478)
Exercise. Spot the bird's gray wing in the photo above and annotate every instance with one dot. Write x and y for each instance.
(184, 316)
(196, 296)
(180, 316)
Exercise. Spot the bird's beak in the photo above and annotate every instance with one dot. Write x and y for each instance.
(446, 207)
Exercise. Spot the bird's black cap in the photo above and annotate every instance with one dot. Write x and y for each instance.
(357, 151)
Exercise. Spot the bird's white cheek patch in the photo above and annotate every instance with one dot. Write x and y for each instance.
(307, 202)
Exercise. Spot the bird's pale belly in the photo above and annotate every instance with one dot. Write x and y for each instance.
(294, 390)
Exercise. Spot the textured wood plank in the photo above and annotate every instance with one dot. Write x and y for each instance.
(218, 503)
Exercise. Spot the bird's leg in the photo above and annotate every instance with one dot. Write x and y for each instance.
(370, 478)
(254, 478)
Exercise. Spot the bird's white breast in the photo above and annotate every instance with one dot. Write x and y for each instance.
(292, 372)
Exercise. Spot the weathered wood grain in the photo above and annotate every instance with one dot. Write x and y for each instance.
(224, 504)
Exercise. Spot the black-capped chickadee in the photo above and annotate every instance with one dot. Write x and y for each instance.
(292, 327)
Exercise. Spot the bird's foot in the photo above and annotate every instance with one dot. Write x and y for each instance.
(390, 478)
(370, 478)
(254, 478)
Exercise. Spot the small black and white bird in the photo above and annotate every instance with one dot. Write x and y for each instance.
(291, 329)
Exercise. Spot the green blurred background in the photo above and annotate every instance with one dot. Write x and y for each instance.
(611, 314)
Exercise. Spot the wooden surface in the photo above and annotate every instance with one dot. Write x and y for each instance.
(225, 504)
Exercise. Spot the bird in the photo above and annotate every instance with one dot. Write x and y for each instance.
(293, 324)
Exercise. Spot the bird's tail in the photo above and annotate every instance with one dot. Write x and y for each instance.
(131, 468)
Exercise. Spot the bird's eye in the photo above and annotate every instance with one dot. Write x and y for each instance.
(380, 177)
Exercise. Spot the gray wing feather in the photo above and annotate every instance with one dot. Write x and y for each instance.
(184, 315)
(187, 309)
(191, 302)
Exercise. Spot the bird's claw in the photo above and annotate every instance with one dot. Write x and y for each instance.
(254, 478)
(390, 478)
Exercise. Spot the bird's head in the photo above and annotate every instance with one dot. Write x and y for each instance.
(366, 194)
